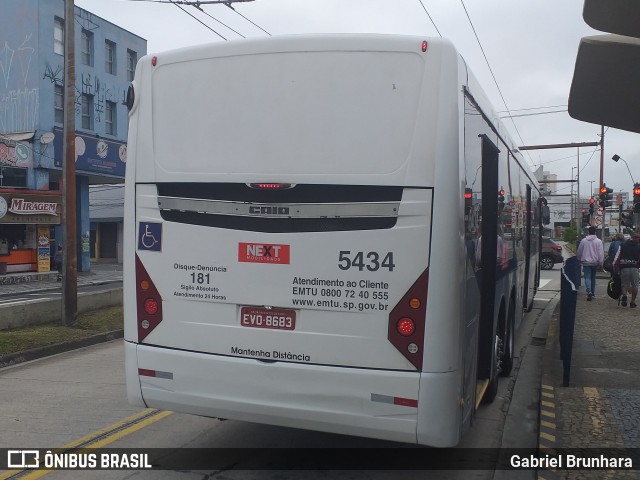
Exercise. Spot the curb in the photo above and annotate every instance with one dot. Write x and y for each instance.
(547, 413)
(55, 289)
(46, 351)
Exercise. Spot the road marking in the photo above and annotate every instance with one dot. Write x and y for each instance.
(547, 428)
(99, 438)
(14, 300)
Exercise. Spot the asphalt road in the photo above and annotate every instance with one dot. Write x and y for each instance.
(79, 397)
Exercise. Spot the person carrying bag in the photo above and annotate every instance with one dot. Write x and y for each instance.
(626, 263)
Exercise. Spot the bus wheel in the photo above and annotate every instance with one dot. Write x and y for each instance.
(492, 389)
(508, 344)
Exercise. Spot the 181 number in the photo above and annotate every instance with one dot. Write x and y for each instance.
(360, 260)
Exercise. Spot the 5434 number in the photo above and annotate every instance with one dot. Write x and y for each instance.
(369, 260)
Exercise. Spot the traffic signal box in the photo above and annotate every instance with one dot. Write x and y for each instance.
(592, 207)
(636, 197)
(586, 218)
(606, 196)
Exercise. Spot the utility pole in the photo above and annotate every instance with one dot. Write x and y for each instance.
(70, 259)
(604, 212)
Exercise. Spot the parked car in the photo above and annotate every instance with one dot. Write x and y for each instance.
(551, 254)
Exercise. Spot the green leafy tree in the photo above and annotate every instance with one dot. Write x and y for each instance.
(570, 234)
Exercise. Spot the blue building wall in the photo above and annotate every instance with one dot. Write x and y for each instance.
(29, 73)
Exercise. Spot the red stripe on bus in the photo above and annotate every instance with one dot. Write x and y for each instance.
(406, 402)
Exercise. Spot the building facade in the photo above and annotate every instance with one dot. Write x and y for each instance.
(31, 122)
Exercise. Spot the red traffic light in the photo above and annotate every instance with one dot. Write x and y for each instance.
(591, 200)
(603, 189)
(636, 191)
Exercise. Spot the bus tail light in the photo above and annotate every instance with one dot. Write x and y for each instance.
(148, 302)
(407, 321)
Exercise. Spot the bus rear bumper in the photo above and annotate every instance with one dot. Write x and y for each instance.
(347, 401)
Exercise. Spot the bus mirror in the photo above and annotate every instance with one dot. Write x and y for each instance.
(130, 97)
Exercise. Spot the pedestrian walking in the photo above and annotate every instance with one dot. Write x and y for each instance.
(626, 262)
(618, 240)
(591, 256)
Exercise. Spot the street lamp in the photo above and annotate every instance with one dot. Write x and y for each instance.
(617, 157)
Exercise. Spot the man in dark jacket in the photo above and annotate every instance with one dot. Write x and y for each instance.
(627, 262)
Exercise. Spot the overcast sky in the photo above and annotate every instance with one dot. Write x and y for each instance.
(530, 45)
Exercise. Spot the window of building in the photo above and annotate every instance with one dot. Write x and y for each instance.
(13, 177)
(110, 57)
(87, 47)
(58, 36)
(111, 119)
(58, 102)
(132, 59)
(87, 111)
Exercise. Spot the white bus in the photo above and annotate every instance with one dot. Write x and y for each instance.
(303, 225)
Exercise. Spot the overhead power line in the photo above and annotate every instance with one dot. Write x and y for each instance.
(432, 22)
(221, 23)
(252, 23)
(532, 114)
(494, 77)
(194, 3)
(196, 18)
(197, 4)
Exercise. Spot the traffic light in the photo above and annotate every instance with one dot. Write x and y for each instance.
(606, 196)
(636, 197)
(586, 218)
(626, 219)
(592, 207)
(501, 198)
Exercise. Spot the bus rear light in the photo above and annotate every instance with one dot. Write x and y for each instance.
(148, 302)
(150, 306)
(271, 186)
(146, 372)
(425, 45)
(406, 327)
(407, 321)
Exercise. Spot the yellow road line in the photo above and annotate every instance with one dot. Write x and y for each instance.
(548, 436)
(101, 438)
(548, 414)
(597, 416)
(547, 424)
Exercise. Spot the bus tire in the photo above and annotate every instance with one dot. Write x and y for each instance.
(508, 344)
(492, 390)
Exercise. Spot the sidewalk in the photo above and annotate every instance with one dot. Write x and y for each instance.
(32, 282)
(601, 406)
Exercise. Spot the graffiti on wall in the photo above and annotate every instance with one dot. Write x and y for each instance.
(56, 76)
(19, 103)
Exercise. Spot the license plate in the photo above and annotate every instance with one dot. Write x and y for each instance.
(273, 318)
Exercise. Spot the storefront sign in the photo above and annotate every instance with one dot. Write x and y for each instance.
(95, 155)
(30, 208)
(15, 154)
(44, 252)
(25, 207)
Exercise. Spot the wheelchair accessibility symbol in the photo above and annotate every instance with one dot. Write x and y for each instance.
(150, 236)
